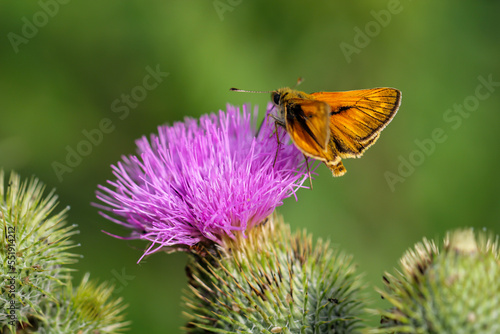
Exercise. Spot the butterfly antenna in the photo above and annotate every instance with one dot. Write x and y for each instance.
(299, 81)
(249, 91)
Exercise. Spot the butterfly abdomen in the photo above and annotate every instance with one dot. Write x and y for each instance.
(337, 168)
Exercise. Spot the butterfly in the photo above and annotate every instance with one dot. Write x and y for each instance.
(331, 126)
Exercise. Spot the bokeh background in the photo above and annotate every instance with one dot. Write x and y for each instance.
(61, 72)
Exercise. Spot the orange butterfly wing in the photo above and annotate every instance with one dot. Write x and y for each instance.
(357, 117)
(307, 123)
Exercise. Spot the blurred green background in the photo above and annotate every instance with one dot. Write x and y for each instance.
(63, 65)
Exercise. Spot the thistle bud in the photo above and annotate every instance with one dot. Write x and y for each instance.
(454, 289)
(273, 281)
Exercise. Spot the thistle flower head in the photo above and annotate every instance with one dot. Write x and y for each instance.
(200, 181)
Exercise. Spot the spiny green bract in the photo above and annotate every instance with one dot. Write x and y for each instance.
(273, 282)
(35, 281)
(455, 290)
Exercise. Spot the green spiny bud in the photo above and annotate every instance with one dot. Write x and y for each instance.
(272, 282)
(86, 309)
(33, 250)
(455, 290)
(36, 293)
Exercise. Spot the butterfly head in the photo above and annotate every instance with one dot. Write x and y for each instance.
(280, 96)
(276, 97)
(283, 98)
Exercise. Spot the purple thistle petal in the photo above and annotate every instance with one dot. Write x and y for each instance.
(197, 181)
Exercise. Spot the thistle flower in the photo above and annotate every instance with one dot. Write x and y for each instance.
(199, 181)
(452, 290)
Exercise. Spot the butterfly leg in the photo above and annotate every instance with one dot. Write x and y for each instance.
(278, 140)
(308, 171)
(264, 121)
(278, 120)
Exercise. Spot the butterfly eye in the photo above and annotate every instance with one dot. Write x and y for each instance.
(276, 98)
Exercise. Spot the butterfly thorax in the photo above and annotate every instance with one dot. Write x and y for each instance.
(283, 99)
